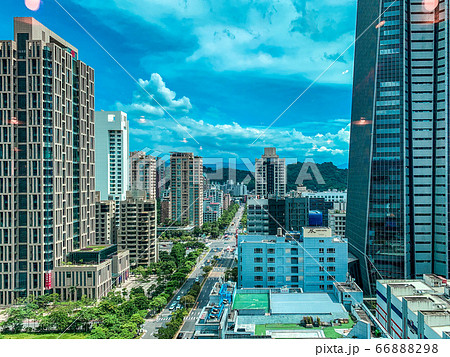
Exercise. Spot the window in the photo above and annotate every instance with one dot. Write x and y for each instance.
(321, 269)
(331, 260)
(257, 250)
(321, 250)
(321, 278)
(331, 268)
(322, 287)
(258, 278)
(294, 270)
(271, 269)
(270, 251)
(271, 278)
(329, 287)
(258, 269)
(321, 260)
(270, 260)
(258, 260)
(331, 278)
(331, 250)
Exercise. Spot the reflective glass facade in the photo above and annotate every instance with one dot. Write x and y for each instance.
(397, 215)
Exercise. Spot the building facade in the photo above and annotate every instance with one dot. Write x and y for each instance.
(258, 216)
(270, 175)
(112, 156)
(143, 174)
(105, 221)
(336, 220)
(265, 216)
(91, 272)
(311, 261)
(138, 229)
(414, 308)
(47, 203)
(186, 188)
(398, 207)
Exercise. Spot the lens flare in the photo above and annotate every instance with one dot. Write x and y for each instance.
(430, 5)
(33, 5)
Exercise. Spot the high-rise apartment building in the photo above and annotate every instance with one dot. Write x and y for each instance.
(143, 173)
(137, 229)
(186, 188)
(162, 176)
(47, 202)
(111, 156)
(105, 221)
(398, 187)
(270, 174)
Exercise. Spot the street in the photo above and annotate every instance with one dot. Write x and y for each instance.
(226, 259)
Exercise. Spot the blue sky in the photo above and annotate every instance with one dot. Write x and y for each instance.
(224, 70)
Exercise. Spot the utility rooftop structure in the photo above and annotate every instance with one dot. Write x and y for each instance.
(414, 308)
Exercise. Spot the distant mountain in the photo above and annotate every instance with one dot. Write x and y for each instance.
(333, 177)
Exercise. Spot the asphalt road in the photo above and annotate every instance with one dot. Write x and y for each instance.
(226, 260)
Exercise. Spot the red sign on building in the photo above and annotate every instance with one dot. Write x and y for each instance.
(48, 280)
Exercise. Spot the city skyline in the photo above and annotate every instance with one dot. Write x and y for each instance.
(208, 99)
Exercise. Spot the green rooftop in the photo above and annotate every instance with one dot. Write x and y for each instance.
(330, 331)
(94, 248)
(251, 301)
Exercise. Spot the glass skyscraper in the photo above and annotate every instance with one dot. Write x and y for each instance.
(398, 194)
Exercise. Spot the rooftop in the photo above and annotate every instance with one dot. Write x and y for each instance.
(350, 286)
(253, 301)
(93, 248)
(305, 303)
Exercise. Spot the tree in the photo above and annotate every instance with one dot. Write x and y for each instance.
(99, 332)
(141, 302)
(188, 301)
(129, 308)
(137, 319)
(15, 320)
(129, 331)
(60, 318)
(137, 291)
(207, 269)
(158, 303)
(177, 253)
(231, 274)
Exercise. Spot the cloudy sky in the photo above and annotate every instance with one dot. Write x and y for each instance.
(222, 70)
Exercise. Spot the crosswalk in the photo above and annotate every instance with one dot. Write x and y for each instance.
(167, 318)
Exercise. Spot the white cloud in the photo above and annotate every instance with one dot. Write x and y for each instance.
(283, 37)
(152, 126)
(217, 139)
(156, 88)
